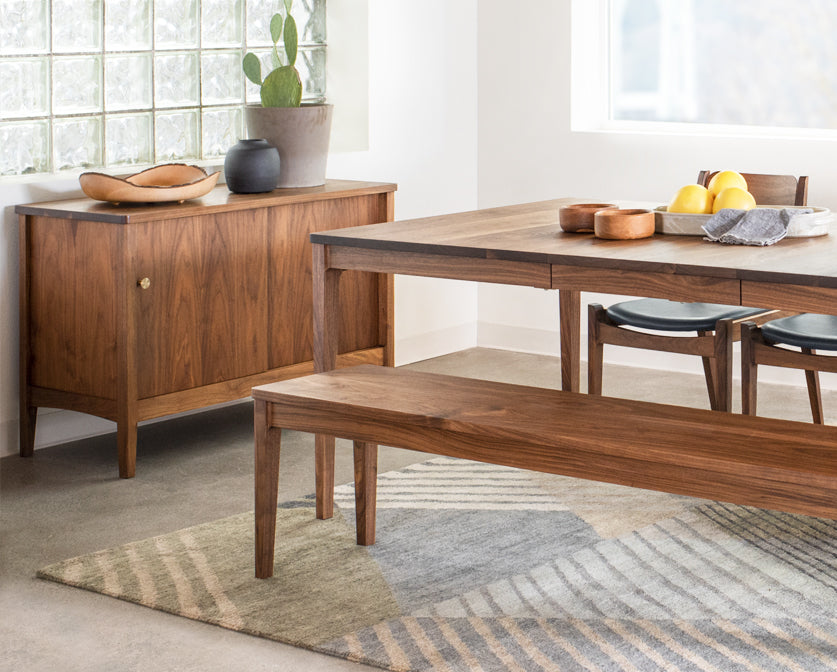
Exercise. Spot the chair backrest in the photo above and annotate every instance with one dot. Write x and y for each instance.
(770, 189)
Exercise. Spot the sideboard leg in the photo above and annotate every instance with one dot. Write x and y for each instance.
(366, 485)
(28, 419)
(28, 413)
(126, 441)
(569, 302)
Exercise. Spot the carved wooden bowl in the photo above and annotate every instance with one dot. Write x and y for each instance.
(623, 224)
(578, 218)
(168, 182)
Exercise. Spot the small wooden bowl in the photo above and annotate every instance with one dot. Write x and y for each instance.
(579, 217)
(623, 224)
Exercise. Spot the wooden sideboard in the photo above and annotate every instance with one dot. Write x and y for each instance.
(134, 312)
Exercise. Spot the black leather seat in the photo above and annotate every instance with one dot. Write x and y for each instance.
(663, 315)
(808, 330)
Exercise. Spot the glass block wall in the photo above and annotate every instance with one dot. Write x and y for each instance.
(86, 84)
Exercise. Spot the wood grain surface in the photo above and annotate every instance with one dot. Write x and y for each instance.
(531, 232)
(136, 311)
(774, 464)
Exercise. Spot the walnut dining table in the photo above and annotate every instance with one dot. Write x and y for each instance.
(524, 245)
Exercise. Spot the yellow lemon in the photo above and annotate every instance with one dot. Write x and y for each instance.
(693, 198)
(734, 197)
(724, 180)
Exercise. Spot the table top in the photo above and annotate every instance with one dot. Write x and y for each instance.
(531, 232)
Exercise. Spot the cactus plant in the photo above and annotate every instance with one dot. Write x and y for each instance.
(282, 87)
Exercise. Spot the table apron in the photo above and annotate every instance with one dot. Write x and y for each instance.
(644, 283)
(502, 271)
(801, 298)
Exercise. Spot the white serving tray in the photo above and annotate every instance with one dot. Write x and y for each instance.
(804, 225)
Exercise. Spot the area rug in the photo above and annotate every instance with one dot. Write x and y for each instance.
(479, 567)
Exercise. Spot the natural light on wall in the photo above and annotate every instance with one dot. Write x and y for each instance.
(110, 83)
(748, 64)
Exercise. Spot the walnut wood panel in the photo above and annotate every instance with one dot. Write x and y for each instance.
(803, 298)
(441, 266)
(72, 306)
(290, 316)
(81, 403)
(761, 462)
(634, 283)
(404, 405)
(204, 317)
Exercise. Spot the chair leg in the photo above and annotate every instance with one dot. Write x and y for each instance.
(595, 348)
(711, 374)
(814, 393)
(749, 368)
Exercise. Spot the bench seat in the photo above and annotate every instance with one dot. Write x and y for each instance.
(762, 462)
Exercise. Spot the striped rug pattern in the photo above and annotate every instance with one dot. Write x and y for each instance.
(488, 568)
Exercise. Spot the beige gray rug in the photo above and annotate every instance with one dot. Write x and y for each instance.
(480, 567)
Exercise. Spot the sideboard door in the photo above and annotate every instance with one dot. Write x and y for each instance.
(202, 318)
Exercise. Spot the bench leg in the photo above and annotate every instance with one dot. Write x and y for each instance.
(324, 475)
(268, 440)
(366, 481)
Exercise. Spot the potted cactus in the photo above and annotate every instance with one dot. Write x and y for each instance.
(299, 131)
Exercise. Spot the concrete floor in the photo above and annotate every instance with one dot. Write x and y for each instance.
(67, 501)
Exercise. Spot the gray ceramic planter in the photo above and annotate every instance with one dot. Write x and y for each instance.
(301, 134)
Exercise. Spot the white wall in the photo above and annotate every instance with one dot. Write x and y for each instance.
(527, 151)
(422, 134)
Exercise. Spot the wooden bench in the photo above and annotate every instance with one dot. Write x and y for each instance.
(776, 464)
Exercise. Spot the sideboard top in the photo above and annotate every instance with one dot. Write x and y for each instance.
(220, 199)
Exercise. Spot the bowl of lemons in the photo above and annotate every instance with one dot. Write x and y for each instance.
(693, 205)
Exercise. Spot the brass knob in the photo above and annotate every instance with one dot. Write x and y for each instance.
(145, 283)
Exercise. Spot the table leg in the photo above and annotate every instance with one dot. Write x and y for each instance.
(267, 441)
(326, 285)
(569, 302)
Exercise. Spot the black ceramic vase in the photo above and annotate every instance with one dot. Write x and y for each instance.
(251, 167)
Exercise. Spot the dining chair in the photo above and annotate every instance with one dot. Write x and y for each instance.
(717, 326)
(770, 345)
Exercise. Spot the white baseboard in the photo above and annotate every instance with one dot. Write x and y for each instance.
(435, 344)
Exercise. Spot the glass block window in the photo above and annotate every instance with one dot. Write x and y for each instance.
(90, 84)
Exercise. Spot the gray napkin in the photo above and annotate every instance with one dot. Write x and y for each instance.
(759, 226)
